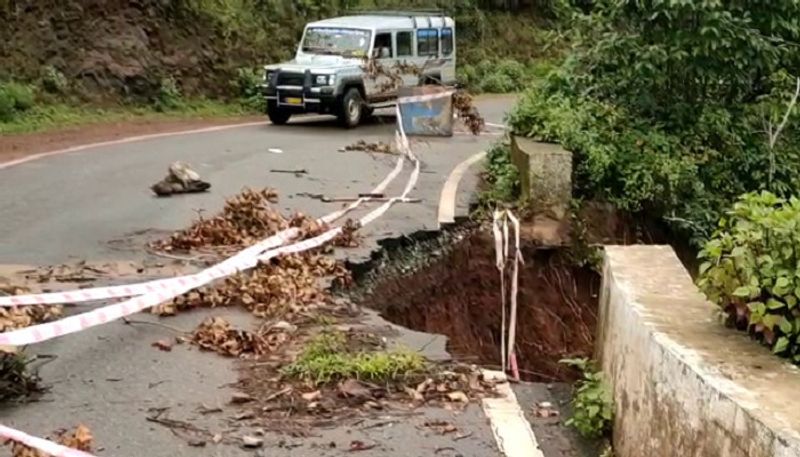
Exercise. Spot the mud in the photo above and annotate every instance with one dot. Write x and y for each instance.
(452, 287)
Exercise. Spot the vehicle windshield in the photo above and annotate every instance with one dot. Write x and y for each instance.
(335, 41)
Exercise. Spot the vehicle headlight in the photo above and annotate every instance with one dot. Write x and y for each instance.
(321, 80)
(331, 80)
(268, 76)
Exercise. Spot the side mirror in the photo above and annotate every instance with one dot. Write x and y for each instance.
(385, 53)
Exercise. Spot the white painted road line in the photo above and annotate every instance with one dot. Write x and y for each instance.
(130, 139)
(447, 200)
(511, 430)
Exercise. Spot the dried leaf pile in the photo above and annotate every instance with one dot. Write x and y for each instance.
(81, 439)
(24, 316)
(246, 218)
(467, 112)
(216, 334)
(285, 287)
(378, 147)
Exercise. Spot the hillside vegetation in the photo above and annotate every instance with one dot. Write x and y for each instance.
(162, 53)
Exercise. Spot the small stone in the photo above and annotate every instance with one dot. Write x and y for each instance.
(458, 397)
(252, 442)
(545, 405)
(239, 398)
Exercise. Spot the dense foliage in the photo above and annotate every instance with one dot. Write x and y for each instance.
(751, 269)
(592, 401)
(667, 104)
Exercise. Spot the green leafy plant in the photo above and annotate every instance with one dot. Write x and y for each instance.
(328, 357)
(15, 98)
(169, 95)
(751, 270)
(54, 81)
(664, 105)
(501, 176)
(592, 402)
(247, 87)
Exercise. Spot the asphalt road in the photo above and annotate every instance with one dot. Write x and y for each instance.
(81, 205)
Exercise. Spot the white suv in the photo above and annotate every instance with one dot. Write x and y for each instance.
(329, 72)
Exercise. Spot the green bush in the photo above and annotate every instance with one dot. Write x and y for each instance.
(15, 98)
(665, 104)
(7, 111)
(169, 95)
(501, 176)
(247, 87)
(53, 81)
(592, 401)
(497, 76)
(751, 270)
(21, 94)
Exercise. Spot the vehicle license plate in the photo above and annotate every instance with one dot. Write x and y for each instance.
(293, 101)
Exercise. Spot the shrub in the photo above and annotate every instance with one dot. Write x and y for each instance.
(501, 176)
(53, 81)
(7, 112)
(592, 401)
(247, 87)
(169, 95)
(751, 270)
(21, 94)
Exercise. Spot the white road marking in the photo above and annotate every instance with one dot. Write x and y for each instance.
(511, 430)
(131, 139)
(447, 200)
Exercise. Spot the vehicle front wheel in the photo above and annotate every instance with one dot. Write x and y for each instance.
(352, 108)
(277, 115)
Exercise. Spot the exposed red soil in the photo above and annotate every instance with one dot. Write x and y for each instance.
(16, 146)
(459, 296)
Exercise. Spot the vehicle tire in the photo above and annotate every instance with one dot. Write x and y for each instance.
(352, 109)
(277, 115)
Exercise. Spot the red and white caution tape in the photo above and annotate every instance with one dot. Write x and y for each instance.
(48, 447)
(502, 243)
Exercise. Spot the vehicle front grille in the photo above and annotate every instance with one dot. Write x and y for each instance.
(290, 79)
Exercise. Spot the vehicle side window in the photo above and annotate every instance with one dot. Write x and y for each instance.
(383, 45)
(447, 41)
(427, 42)
(405, 44)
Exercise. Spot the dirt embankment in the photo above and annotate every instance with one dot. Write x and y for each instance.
(125, 48)
(458, 295)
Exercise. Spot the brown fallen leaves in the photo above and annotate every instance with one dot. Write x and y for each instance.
(81, 439)
(282, 287)
(218, 335)
(467, 112)
(348, 238)
(24, 316)
(245, 219)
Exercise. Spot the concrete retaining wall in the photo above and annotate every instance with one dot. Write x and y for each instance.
(683, 384)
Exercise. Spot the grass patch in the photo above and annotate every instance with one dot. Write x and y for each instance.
(331, 356)
(47, 117)
(16, 380)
